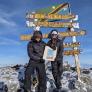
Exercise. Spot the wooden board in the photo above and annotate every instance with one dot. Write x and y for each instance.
(62, 34)
(50, 16)
(52, 24)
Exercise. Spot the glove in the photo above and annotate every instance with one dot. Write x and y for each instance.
(42, 60)
(57, 59)
(54, 47)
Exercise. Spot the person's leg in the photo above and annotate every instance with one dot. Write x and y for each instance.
(28, 74)
(41, 78)
(60, 71)
(55, 74)
(60, 67)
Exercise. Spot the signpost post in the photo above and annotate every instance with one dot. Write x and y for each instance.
(76, 57)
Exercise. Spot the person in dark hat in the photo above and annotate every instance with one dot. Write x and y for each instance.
(35, 52)
(57, 65)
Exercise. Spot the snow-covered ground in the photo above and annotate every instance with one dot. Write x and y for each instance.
(11, 78)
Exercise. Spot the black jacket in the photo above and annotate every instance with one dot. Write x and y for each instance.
(35, 50)
(60, 48)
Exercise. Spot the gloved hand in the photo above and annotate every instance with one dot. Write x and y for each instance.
(42, 60)
(54, 47)
(57, 59)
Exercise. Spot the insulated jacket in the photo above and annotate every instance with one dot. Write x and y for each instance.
(35, 49)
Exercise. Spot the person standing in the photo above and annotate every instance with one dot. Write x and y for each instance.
(57, 64)
(35, 52)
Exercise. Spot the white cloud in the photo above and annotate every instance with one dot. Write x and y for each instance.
(5, 19)
(8, 23)
(87, 51)
(4, 13)
(8, 26)
(7, 41)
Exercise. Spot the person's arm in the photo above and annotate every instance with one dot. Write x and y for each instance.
(60, 52)
(62, 40)
(31, 54)
(51, 45)
(61, 49)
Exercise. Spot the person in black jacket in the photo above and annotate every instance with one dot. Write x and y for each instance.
(35, 52)
(57, 65)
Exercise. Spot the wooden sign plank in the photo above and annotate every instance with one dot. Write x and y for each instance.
(50, 16)
(52, 24)
(62, 34)
(71, 52)
(67, 45)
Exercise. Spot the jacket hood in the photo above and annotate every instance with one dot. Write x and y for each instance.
(36, 34)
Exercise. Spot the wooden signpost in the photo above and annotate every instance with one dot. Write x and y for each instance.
(41, 19)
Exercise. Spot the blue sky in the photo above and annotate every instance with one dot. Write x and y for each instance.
(13, 24)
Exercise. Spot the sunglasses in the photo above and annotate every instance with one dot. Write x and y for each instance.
(54, 34)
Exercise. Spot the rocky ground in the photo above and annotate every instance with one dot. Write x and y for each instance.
(12, 75)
